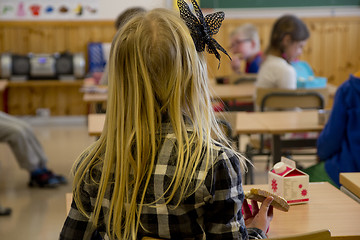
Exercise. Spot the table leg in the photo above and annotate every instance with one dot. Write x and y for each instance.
(276, 148)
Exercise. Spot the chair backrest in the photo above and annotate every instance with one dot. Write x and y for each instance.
(280, 99)
(316, 235)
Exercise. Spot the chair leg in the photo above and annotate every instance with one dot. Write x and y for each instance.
(249, 175)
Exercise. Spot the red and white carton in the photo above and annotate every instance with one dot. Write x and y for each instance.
(287, 181)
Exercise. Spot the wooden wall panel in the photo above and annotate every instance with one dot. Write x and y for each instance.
(61, 98)
(51, 37)
(333, 50)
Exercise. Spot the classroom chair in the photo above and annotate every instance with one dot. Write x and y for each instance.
(274, 99)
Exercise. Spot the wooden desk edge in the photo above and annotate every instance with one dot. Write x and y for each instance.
(68, 201)
(351, 186)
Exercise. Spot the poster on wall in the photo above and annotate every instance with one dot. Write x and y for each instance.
(49, 9)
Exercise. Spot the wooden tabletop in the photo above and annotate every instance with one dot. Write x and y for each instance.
(95, 97)
(243, 91)
(277, 122)
(248, 122)
(351, 181)
(332, 89)
(95, 124)
(328, 208)
(3, 84)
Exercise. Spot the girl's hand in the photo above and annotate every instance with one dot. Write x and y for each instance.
(236, 64)
(258, 218)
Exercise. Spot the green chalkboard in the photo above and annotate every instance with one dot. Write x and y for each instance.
(275, 3)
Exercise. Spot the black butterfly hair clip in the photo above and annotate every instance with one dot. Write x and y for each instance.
(203, 28)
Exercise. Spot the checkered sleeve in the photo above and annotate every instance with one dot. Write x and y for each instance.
(223, 218)
(78, 226)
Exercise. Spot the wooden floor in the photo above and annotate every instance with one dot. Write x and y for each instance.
(38, 214)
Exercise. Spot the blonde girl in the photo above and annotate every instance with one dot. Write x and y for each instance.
(156, 171)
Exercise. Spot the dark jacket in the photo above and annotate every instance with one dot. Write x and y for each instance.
(339, 142)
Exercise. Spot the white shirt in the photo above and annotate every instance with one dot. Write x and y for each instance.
(275, 72)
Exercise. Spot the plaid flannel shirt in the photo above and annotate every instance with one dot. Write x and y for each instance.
(212, 212)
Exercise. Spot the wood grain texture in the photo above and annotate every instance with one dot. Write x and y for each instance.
(332, 50)
(61, 98)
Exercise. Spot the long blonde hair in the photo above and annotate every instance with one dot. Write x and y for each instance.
(154, 71)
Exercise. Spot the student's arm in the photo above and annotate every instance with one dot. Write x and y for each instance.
(223, 218)
(77, 226)
(330, 139)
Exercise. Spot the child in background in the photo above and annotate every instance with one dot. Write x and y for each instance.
(119, 22)
(245, 45)
(28, 151)
(339, 143)
(156, 171)
(287, 40)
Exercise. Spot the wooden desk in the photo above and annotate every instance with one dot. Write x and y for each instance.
(329, 208)
(351, 181)
(278, 123)
(242, 91)
(68, 199)
(3, 86)
(95, 97)
(95, 124)
(332, 90)
(275, 123)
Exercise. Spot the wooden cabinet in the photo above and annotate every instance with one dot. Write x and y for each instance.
(60, 97)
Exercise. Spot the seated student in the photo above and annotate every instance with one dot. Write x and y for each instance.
(339, 143)
(287, 40)
(155, 171)
(245, 45)
(28, 151)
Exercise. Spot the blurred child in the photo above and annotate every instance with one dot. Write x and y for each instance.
(119, 22)
(339, 143)
(156, 171)
(245, 45)
(28, 151)
(287, 40)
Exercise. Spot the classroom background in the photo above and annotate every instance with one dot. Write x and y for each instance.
(333, 51)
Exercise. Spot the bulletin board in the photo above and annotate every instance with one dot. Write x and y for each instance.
(275, 3)
(49, 9)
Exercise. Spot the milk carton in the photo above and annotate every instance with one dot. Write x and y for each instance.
(287, 181)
